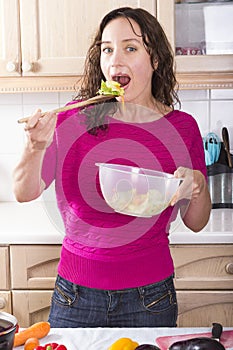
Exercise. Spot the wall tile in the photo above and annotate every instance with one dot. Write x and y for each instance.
(7, 165)
(11, 99)
(65, 97)
(11, 136)
(40, 97)
(193, 95)
(200, 111)
(222, 94)
(29, 109)
(222, 115)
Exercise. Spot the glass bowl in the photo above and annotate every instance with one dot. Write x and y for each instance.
(136, 191)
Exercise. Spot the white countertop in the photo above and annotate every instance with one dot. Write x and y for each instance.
(29, 223)
(103, 338)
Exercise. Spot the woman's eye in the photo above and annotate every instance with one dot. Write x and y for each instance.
(107, 50)
(130, 48)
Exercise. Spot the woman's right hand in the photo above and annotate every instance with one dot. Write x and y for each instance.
(28, 184)
(40, 130)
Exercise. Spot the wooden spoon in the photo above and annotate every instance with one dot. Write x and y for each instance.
(92, 100)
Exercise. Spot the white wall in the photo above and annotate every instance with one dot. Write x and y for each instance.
(212, 110)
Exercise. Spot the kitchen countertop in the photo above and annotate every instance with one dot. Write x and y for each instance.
(30, 223)
(103, 338)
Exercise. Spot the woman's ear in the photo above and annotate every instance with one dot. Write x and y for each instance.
(155, 64)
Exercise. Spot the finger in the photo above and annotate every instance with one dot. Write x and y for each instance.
(182, 172)
(48, 121)
(174, 200)
(33, 120)
(184, 191)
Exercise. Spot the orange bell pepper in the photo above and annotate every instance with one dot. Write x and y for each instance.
(124, 344)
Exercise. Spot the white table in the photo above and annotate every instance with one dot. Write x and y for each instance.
(102, 338)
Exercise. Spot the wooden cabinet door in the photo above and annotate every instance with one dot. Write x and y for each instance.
(31, 306)
(4, 268)
(10, 59)
(34, 266)
(5, 301)
(203, 266)
(202, 308)
(55, 35)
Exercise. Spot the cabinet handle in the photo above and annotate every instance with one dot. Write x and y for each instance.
(11, 67)
(229, 268)
(26, 66)
(2, 303)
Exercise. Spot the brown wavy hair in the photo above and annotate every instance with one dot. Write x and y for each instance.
(164, 82)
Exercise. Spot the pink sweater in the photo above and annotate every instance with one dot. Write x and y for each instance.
(103, 249)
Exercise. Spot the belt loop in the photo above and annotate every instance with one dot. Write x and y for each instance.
(141, 291)
(75, 287)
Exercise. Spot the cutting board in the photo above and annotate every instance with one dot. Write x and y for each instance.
(166, 341)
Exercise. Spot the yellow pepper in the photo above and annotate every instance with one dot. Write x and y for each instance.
(124, 344)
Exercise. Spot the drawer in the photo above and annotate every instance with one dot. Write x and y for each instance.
(203, 266)
(5, 301)
(4, 268)
(31, 306)
(202, 308)
(34, 266)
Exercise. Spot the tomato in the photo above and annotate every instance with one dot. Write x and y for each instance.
(52, 346)
(39, 347)
(61, 347)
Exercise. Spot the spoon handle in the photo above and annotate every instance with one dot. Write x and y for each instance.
(92, 100)
(225, 137)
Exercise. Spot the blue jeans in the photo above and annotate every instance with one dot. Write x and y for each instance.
(154, 305)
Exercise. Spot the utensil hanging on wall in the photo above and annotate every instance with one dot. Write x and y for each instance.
(212, 147)
(225, 138)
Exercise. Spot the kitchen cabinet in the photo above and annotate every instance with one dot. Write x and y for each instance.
(49, 39)
(194, 71)
(4, 268)
(34, 266)
(5, 295)
(202, 308)
(5, 301)
(51, 45)
(31, 306)
(204, 283)
(33, 273)
(203, 279)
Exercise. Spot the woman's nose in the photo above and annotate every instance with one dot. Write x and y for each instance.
(117, 58)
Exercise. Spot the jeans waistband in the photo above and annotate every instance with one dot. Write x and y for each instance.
(141, 289)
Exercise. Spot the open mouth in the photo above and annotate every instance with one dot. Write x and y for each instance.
(123, 80)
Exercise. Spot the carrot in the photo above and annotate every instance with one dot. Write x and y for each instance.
(37, 330)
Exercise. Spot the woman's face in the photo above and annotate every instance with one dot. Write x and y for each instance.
(125, 59)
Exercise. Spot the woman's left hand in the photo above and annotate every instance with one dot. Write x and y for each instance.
(192, 186)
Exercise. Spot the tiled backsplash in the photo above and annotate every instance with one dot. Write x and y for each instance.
(212, 109)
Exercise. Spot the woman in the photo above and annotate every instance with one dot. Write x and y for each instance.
(116, 270)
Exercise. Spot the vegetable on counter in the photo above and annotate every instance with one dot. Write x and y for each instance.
(31, 343)
(147, 347)
(124, 344)
(51, 346)
(197, 344)
(37, 330)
